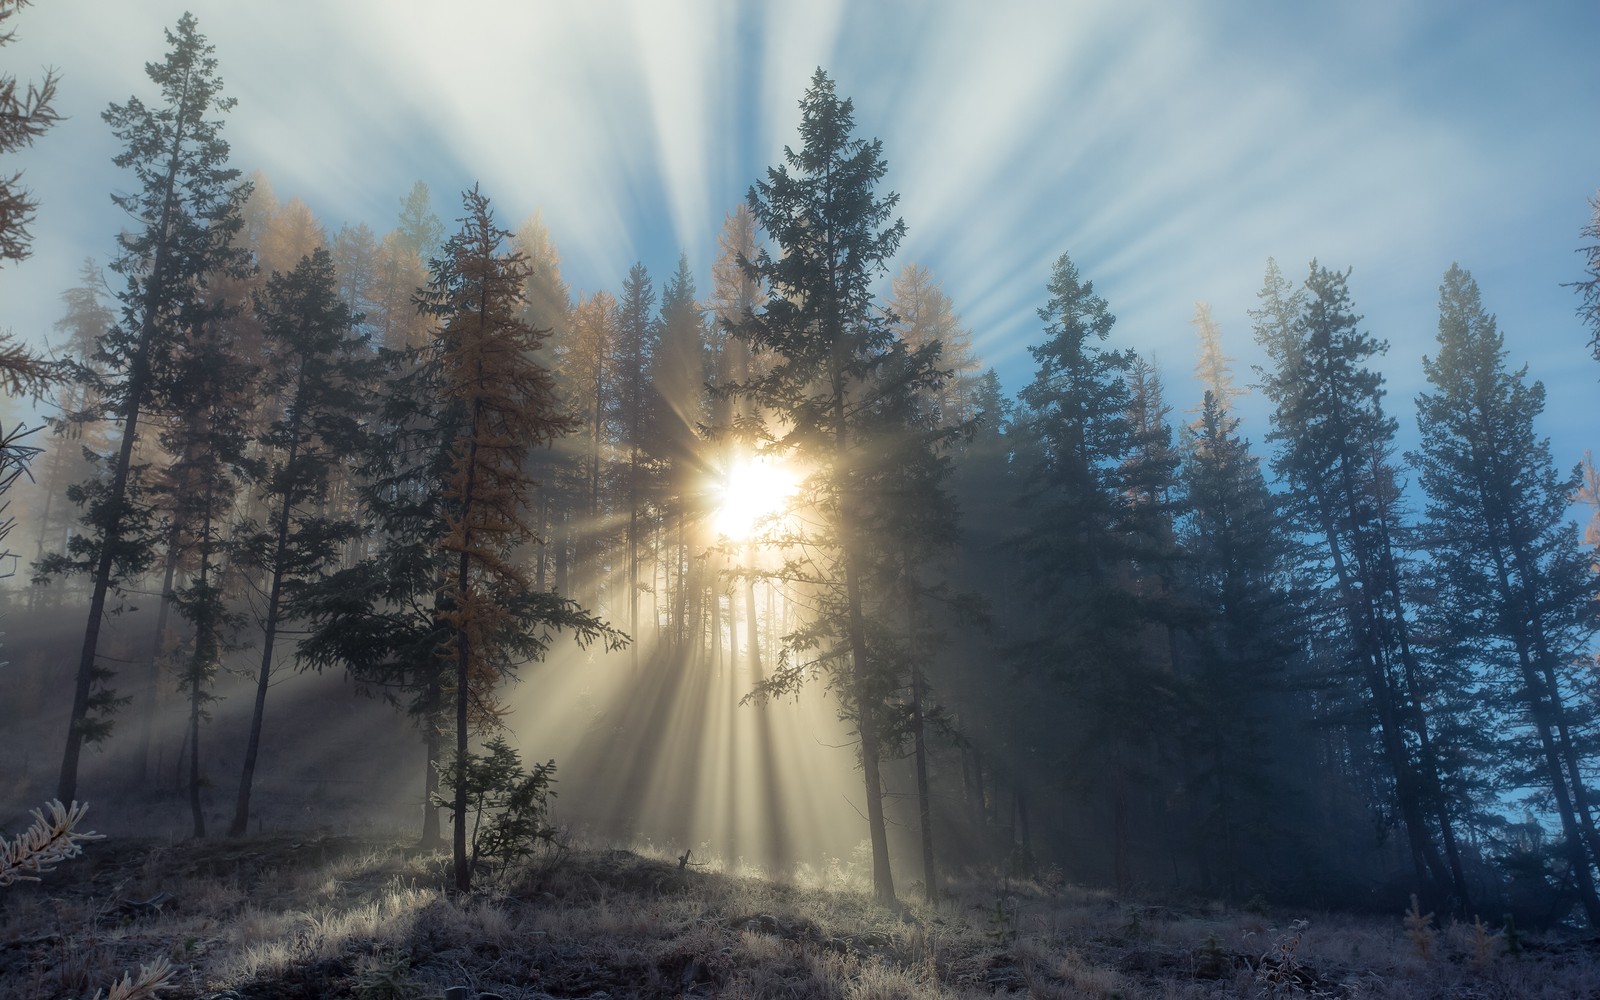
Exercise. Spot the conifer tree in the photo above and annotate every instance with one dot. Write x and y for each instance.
(637, 335)
(79, 425)
(186, 212)
(24, 117)
(1078, 547)
(1235, 562)
(1512, 585)
(318, 372)
(925, 315)
(827, 344)
(1334, 443)
(678, 376)
(208, 438)
(1589, 286)
(507, 406)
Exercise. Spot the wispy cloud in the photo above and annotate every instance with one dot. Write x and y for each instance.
(1170, 149)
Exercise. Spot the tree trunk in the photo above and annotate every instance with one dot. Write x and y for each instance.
(157, 648)
(138, 377)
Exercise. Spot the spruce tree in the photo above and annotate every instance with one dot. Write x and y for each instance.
(826, 343)
(186, 212)
(1334, 449)
(1090, 454)
(207, 438)
(1512, 584)
(24, 117)
(637, 336)
(1235, 570)
(318, 372)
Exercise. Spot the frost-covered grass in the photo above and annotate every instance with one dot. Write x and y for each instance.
(338, 917)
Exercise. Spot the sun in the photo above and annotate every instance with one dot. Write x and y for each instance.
(753, 491)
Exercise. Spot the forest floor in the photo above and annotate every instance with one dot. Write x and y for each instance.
(275, 918)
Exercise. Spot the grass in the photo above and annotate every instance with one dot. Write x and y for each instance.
(282, 918)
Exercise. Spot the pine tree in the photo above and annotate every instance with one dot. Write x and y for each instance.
(1512, 584)
(678, 376)
(1078, 551)
(1334, 442)
(208, 438)
(827, 344)
(24, 117)
(188, 204)
(634, 353)
(1235, 562)
(508, 405)
(318, 371)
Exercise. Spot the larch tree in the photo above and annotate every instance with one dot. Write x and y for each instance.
(549, 307)
(317, 368)
(589, 381)
(508, 406)
(186, 215)
(1589, 285)
(925, 314)
(1512, 583)
(828, 344)
(79, 425)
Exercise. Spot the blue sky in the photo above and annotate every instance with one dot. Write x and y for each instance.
(1170, 148)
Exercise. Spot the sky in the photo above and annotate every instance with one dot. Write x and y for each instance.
(1170, 148)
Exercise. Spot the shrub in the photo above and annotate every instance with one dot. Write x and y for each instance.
(509, 807)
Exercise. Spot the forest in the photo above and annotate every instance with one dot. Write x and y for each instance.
(777, 557)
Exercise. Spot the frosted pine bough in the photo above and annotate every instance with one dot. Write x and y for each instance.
(45, 844)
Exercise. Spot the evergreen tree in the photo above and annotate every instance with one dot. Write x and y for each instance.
(1512, 585)
(678, 376)
(1078, 549)
(1334, 443)
(1235, 563)
(208, 438)
(828, 344)
(24, 117)
(637, 335)
(317, 370)
(187, 208)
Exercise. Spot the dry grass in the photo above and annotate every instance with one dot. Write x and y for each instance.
(339, 917)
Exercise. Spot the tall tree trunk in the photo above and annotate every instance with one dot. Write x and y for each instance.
(206, 647)
(463, 872)
(157, 649)
(280, 556)
(135, 389)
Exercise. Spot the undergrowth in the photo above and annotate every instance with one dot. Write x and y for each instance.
(281, 918)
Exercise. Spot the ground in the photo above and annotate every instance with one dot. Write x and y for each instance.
(284, 918)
